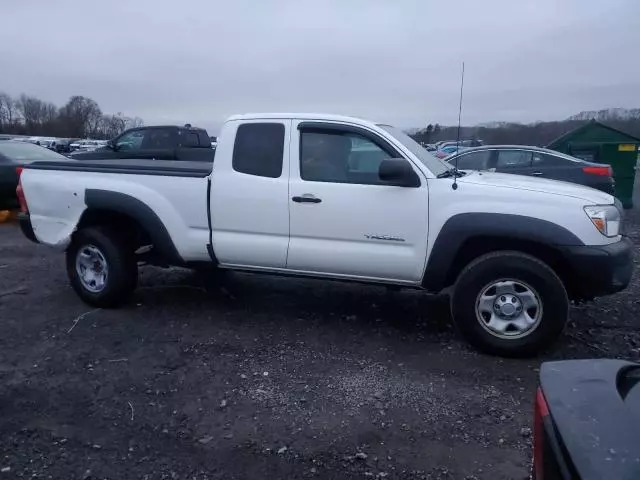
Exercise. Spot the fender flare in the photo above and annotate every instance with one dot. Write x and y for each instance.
(96, 199)
(465, 226)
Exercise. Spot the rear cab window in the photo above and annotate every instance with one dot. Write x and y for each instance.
(190, 139)
(194, 138)
(258, 149)
(203, 138)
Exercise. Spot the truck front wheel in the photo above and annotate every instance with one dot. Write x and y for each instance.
(509, 304)
(101, 267)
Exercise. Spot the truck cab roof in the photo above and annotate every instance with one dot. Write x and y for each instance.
(303, 116)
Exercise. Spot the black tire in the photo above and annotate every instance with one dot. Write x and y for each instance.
(122, 276)
(516, 266)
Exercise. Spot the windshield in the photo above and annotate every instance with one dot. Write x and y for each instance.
(435, 165)
(27, 152)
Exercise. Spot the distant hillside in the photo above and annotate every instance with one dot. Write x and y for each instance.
(539, 133)
(608, 114)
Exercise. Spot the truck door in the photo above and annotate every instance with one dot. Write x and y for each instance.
(345, 221)
(250, 195)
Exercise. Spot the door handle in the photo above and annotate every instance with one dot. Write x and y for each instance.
(306, 198)
(537, 174)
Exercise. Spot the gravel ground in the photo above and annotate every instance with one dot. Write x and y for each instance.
(257, 377)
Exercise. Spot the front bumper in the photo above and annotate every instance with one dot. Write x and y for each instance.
(600, 270)
(26, 227)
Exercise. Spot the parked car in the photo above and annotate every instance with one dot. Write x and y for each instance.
(286, 197)
(462, 143)
(447, 150)
(536, 162)
(87, 145)
(46, 142)
(59, 145)
(14, 155)
(155, 143)
(587, 421)
(63, 146)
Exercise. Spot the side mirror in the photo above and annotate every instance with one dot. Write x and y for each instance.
(111, 145)
(398, 172)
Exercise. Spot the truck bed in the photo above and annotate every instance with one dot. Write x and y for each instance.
(58, 193)
(168, 168)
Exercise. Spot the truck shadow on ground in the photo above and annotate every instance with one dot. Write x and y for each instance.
(294, 304)
(281, 298)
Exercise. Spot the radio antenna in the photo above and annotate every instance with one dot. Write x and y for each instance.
(455, 173)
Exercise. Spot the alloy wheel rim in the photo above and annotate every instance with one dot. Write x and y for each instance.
(509, 309)
(92, 268)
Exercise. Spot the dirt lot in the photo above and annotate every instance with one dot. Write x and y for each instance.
(263, 378)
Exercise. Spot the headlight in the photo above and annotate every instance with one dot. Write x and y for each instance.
(606, 218)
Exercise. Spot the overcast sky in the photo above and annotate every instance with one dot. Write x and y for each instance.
(395, 61)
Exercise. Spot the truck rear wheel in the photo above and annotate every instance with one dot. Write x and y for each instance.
(101, 267)
(509, 304)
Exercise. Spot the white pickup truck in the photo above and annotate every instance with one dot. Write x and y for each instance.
(334, 197)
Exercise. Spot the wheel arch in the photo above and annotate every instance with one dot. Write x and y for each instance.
(465, 237)
(131, 216)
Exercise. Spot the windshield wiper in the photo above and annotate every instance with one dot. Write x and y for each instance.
(452, 172)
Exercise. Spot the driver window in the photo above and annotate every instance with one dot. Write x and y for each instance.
(131, 140)
(340, 157)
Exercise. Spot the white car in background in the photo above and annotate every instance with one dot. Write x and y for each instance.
(87, 145)
(47, 142)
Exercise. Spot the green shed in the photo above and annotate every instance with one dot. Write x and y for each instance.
(596, 142)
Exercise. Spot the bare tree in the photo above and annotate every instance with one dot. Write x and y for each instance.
(32, 110)
(134, 122)
(429, 132)
(111, 126)
(13, 116)
(81, 116)
(10, 121)
(49, 113)
(94, 121)
(4, 113)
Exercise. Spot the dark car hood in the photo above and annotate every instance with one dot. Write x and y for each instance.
(597, 419)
